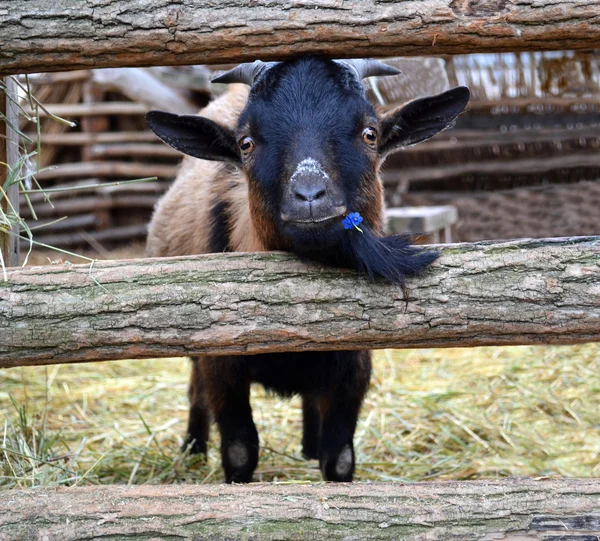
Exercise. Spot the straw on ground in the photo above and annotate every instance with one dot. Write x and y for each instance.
(430, 414)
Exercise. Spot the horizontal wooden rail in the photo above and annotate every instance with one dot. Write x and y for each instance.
(510, 509)
(463, 140)
(91, 138)
(108, 169)
(424, 176)
(38, 35)
(543, 291)
(69, 110)
(123, 233)
(70, 207)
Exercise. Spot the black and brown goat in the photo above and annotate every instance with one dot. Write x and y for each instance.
(289, 159)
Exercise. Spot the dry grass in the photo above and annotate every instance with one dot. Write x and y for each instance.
(430, 414)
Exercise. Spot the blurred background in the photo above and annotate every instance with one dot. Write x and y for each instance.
(522, 161)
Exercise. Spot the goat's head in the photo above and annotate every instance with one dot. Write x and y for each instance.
(311, 145)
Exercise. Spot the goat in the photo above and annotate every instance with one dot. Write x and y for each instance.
(282, 161)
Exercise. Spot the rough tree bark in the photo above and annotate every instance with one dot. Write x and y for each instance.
(543, 291)
(38, 35)
(511, 510)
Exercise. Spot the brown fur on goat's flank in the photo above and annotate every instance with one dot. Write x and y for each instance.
(181, 221)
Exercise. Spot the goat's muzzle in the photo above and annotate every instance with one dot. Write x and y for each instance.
(310, 199)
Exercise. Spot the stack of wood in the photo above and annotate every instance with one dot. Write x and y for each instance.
(523, 160)
(110, 143)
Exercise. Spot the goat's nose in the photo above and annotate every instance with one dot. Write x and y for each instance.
(309, 190)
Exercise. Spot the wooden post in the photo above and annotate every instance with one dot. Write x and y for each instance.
(9, 158)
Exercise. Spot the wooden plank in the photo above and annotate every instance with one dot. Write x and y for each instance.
(58, 78)
(72, 189)
(537, 104)
(77, 221)
(61, 35)
(471, 139)
(508, 509)
(92, 109)
(129, 170)
(80, 139)
(516, 135)
(420, 219)
(111, 235)
(137, 150)
(141, 86)
(531, 104)
(91, 204)
(423, 175)
(500, 293)
(9, 158)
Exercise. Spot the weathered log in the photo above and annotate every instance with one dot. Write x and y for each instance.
(63, 35)
(519, 292)
(510, 509)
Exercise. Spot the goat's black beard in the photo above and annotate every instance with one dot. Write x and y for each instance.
(392, 258)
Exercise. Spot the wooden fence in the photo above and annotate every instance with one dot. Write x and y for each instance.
(63, 35)
(544, 291)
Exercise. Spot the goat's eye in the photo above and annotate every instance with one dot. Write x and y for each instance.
(369, 136)
(246, 145)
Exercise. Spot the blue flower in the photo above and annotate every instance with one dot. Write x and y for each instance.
(352, 220)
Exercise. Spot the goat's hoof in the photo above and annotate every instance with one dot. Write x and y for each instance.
(338, 466)
(239, 462)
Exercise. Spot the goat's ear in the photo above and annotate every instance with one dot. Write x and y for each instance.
(196, 136)
(421, 119)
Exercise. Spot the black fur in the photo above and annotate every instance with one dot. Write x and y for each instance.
(392, 258)
(306, 109)
(219, 229)
(421, 119)
(194, 135)
(332, 384)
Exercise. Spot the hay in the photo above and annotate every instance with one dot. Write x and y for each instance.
(430, 414)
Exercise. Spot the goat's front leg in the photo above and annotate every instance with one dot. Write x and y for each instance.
(311, 427)
(340, 408)
(228, 391)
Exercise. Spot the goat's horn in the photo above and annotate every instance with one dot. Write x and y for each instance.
(367, 67)
(244, 73)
